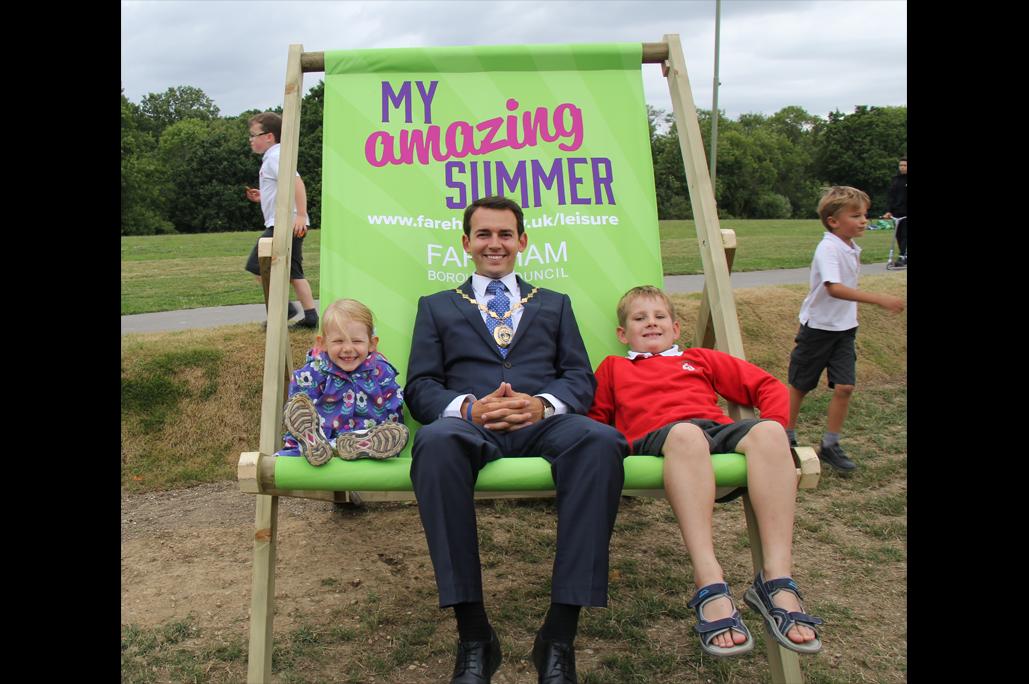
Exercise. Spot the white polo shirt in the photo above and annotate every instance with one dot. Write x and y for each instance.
(834, 262)
(269, 178)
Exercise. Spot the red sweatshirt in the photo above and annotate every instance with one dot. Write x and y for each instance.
(638, 396)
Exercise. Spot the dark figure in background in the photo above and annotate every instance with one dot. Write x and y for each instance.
(897, 207)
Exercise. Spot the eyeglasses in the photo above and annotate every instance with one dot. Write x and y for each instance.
(254, 135)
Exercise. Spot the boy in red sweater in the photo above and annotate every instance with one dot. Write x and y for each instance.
(665, 403)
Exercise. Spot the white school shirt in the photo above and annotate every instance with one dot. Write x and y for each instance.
(269, 185)
(834, 262)
(479, 285)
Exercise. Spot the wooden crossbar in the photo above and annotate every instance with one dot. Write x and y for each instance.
(717, 327)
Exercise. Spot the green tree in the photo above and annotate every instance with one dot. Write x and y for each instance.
(798, 178)
(861, 150)
(672, 193)
(208, 194)
(309, 154)
(141, 202)
(158, 111)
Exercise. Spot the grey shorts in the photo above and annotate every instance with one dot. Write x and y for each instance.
(296, 269)
(818, 350)
(722, 438)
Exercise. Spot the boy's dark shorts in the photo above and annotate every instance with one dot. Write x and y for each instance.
(296, 270)
(722, 438)
(816, 350)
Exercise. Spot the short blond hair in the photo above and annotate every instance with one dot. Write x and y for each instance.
(643, 291)
(344, 311)
(839, 198)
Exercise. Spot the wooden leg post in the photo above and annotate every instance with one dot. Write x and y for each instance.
(704, 332)
(784, 664)
(262, 600)
(720, 313)
(277, 372)
(264, 259)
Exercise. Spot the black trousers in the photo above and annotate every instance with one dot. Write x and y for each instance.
(902, 237)
(586, 463)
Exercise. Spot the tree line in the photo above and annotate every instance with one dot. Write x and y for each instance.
(185, 167)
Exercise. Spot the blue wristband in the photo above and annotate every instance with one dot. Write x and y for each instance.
(470, 411)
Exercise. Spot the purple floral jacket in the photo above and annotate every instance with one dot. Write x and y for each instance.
(357, 400)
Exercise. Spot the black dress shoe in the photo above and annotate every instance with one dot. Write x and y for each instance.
(477, 661)
(554, 661)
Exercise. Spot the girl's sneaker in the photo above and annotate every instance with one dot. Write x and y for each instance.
(384, 440)
(302, 421)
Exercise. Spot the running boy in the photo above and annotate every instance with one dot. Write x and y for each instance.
(265, 130)
(828, 318)
(346, 399)
(664, 401)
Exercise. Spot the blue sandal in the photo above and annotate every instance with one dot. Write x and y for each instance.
(709, 630)
(780, 621)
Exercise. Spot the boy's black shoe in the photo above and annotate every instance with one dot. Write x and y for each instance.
(793, 444)
(836, 457)
(290, 313)
(477, 661)
(305, 323)
(554, 662)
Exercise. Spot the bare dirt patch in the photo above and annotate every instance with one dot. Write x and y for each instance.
(364, 576)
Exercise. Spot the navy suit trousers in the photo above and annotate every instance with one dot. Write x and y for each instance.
(586, 460)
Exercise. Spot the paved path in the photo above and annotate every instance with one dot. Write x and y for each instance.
(165, 321)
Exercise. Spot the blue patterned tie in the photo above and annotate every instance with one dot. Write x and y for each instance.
(498, 305)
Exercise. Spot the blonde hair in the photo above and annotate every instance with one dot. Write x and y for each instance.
(648, 291)
(839, 198)
(344, 311)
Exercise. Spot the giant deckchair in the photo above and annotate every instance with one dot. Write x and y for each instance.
(269, 477)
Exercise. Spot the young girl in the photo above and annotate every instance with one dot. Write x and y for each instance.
(346, 400)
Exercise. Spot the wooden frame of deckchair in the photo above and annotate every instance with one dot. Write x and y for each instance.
(717, 327)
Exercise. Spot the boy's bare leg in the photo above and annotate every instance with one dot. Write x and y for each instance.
(796, 399)
(690, 486)
(838, 406)
(303, 290)
(772, 485)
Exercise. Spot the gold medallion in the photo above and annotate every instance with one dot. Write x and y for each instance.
(503, 334)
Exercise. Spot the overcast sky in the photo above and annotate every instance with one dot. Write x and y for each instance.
(821, 55)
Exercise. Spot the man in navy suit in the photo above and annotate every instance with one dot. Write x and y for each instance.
(499, 370)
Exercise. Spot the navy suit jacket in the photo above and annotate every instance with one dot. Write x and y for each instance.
(453, 353)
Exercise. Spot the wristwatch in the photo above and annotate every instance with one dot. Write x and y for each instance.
(548, 408)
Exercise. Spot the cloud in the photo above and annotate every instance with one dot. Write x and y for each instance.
(817, 55)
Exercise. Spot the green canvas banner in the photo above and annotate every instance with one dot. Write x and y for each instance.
(412, 136)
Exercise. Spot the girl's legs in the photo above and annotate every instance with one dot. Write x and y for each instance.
(772, 485)
(690, 486)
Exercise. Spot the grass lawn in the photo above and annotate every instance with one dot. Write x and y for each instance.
(761, 245)
(171, 272)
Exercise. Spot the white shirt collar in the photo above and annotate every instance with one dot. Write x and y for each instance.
(481, 282)
(674, 351)
(853, 247)
(269, 151)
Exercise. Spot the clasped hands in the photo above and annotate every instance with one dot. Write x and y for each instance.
(504, 410)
